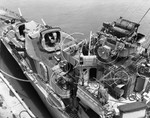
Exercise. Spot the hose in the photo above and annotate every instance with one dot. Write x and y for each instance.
(26, 112)
(15, 78)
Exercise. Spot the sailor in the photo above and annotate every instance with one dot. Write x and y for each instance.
(54, 38)
(51, 39)
(74, 105)
(47, 42)
(102, 94)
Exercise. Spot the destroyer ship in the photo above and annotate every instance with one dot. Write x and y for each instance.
(106, 76)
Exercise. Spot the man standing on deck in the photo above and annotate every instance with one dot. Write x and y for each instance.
(102, 94)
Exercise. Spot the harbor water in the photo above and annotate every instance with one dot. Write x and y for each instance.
(82, 15)
(72, 16)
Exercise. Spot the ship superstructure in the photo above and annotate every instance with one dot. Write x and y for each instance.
(112, 69)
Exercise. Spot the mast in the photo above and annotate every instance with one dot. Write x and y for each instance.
(144, 15)
(90, 43)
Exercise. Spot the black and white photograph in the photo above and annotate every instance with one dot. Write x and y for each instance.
(74, 59)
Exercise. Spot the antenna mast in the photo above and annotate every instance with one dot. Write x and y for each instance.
(90, 43)
(144, 15)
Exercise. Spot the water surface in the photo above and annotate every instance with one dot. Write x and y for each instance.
(82, 15)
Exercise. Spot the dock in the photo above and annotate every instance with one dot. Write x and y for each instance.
(11, 105)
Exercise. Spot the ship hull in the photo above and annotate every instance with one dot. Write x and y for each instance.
(54, 111)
